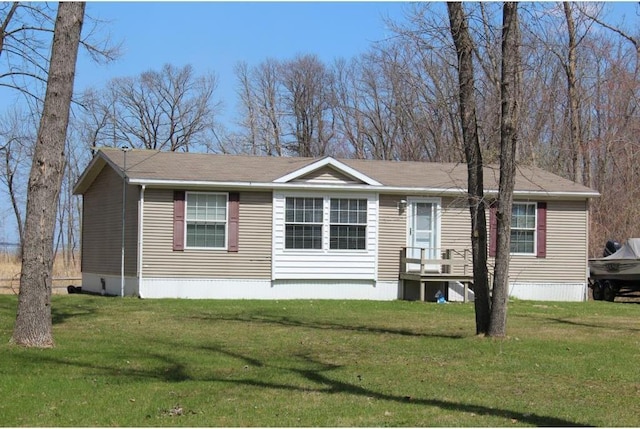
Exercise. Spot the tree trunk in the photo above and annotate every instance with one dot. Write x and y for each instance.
(508, 138)
(33, 321)
(575, 134)
(473, 155)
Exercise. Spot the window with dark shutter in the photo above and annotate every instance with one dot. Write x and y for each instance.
(528, 228)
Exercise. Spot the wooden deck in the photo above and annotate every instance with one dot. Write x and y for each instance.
(453, 266)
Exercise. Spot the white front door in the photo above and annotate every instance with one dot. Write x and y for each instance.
(423, 229)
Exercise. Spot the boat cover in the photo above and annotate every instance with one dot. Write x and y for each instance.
(629, 250)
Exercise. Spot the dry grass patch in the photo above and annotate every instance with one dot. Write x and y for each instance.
(10, 266)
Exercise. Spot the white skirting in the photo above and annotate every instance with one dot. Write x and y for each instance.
(267, 289)
(532, 291)
(304, 289)
(549, 291)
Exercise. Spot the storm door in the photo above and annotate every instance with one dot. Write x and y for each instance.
(423, 231)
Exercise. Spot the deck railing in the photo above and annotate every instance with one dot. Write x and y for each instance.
(449, 259)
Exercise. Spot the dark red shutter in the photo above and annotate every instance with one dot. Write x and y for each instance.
(178, 220)
(493, 229)
(234, 218)
(541, 242)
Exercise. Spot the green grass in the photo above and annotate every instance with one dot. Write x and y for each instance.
(129, 362)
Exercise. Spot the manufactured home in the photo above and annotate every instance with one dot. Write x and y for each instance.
(192, 225)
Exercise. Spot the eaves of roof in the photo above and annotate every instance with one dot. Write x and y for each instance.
(190, 170)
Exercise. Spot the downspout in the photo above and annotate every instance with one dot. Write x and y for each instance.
(123, 220)
(586, 246)
(140, 238)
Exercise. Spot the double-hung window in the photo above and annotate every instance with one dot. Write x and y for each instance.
(325, 223)
(348, 224)
(206, 220)
(523, 228)
(303, 223)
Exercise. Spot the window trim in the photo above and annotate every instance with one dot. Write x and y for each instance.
(226, 221)
(321, 224)
(534, 229)
(326, 222)
(540, 235)
(349, 224)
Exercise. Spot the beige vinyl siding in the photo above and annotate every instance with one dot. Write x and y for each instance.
(566, 242)
(566, 261)
(102, 230)
(392, 236)
(326, 175)
(456, 232)
(252, 261)
(455, 224)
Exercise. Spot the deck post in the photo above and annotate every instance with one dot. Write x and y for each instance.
(446, 268)
(422, 258)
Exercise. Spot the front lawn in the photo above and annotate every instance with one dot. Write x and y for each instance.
(130, 362)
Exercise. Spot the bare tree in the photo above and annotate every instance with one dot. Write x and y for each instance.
(509, 85)
(168, 110)
(33, 321)
(574, 104)
(25, 31)
(22, 46)
(309, 101)
(349, 115)
(261, 102)
(16, 141)
(467, 106)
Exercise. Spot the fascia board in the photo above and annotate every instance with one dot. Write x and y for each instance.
(98, 162)
(100, 158)
(350, 187)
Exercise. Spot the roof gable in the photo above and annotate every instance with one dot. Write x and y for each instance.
(328, 175)
(339, 167)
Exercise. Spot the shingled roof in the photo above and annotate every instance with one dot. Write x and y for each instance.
(188, 169)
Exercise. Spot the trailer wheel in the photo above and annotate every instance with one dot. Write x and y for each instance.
(609, 292)
(596, 290)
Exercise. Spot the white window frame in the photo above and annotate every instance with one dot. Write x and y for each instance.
(304, 223)
(187, 220)
(349, 224)
(534, 229)
(326, 223)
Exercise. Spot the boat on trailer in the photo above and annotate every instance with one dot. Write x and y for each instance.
(619, 268)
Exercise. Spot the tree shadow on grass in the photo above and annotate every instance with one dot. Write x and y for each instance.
(61, 314)
(566, 321)
(77, 305)
(313, 371)
(322, 325)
